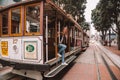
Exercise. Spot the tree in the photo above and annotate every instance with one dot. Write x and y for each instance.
(16, 0)
(85, 26)
(114, 8)
(75, 8)
(105, 15)
(100, 18)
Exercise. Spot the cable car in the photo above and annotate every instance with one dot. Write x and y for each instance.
(29, 41)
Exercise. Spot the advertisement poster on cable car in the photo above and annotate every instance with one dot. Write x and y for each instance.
(30, 50)
(4, 48)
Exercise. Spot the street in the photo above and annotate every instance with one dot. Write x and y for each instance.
(96, 63)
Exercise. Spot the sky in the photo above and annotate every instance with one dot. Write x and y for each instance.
(91, 4)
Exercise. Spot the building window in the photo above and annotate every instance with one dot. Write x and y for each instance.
(32, 19)
(4, 17)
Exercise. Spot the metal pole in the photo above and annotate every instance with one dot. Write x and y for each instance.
(46, 38)
(59, 30)
(109, 37)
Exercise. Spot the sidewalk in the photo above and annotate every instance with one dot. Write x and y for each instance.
(114, 49)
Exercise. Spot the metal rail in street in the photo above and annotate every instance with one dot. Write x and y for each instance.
(96, 62)
(103, 55)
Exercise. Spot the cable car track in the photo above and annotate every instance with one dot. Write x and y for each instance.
(96, 62)
(106, 61)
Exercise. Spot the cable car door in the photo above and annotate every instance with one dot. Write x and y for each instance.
(49, 39)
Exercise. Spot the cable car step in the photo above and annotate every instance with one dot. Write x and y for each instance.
(5, 70)
(56, 70)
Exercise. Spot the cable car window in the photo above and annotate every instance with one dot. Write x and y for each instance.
(4, 17)
(16, 21)
(32, 18)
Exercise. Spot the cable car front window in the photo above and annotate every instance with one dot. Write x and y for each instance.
(33, 18)
(15, 24)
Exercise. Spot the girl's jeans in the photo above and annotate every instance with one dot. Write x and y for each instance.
(61, 51)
